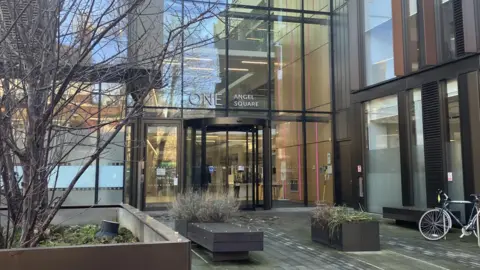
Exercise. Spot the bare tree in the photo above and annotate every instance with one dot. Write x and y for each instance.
(63, 64)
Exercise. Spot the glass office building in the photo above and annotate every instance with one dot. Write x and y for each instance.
(249, 112)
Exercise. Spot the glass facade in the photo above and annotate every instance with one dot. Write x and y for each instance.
(255, 59)
(378, 38)
(417, 148)
(382, 154)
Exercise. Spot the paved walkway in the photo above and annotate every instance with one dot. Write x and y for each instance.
(288, 246)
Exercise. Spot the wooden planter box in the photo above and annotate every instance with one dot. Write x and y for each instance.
(225, 241)
(159, 246)
(362, 236)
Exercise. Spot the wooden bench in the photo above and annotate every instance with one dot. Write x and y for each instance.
(226, 241)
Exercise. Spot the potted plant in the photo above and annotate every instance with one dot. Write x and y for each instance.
(345, 229)
(193, 206)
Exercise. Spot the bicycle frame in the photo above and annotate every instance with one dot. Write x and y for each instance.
(471, 219)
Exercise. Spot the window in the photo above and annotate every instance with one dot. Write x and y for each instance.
(412, 38)
(447, 27)
(382, 155)
(454, 144)
(378, 39)
(417, 149)
(287, 72)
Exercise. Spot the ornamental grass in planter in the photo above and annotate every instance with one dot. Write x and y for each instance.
(345, 229)
(205, 207)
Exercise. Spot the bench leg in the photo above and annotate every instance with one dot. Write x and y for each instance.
(229, 256)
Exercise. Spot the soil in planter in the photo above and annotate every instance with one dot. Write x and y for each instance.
(83, 235)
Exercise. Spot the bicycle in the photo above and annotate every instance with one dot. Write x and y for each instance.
(436, 223)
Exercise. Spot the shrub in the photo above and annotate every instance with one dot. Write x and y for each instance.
(204, 207)
(331, 217)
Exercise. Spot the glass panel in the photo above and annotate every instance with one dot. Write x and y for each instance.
(454, 146)
(78, 142)
(239, 166)
(317, 5)
(259, 175)
(287, 63)
(378, 41)
(287, 153)
(290, 4)
(204, 60)
(258, 3)
(189, 150)
(216, 161)
(382, 155)
(448, 30)
(248, 64)
(112, 158)
(417, 149)
(161, 176)
(317, 65)
(412, 38)
(189, 113)
(128, 165)
(319, 162)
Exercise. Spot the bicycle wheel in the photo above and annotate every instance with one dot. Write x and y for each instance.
(435, 224)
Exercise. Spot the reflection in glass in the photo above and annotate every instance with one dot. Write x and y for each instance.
(287, 63)
(378, 41)
(161, 177)
(412, 37)
(216, 162)
(454, 146)
(382, 155)
(319, 161)
(112, 108)
(417, 149)
(448, 30)
(248, 64)
(317, 5)
(204, 61)
(287, 4)
(317, 65)
(287, 153)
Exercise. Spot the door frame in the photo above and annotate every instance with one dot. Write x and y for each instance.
(237, 122)
(145, 123)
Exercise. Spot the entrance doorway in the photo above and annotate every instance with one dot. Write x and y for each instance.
(226, 155)
(161, 167)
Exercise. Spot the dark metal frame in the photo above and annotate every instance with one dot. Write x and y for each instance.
(247, 125)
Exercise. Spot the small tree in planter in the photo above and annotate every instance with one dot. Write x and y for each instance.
(193, 206)
(345, 229)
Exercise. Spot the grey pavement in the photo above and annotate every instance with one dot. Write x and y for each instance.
(288, 246)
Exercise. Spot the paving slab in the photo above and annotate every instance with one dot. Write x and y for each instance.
(287, 245)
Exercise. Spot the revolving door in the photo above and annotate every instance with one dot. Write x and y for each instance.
(229, 155)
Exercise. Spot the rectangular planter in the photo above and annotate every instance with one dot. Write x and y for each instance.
(362, 236)
(226, 241)
(159, 246)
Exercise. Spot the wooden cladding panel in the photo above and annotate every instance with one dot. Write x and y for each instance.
(398, 38)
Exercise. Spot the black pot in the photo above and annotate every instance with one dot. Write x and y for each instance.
(360, 236)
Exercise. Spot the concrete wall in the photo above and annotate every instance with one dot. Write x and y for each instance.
(160, 247)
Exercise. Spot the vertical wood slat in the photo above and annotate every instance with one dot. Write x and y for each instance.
(398, 38)
(434, 146)
(429, 30)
